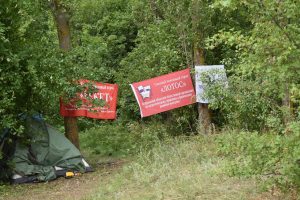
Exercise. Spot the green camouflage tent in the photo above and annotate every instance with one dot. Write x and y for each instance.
(46, 156)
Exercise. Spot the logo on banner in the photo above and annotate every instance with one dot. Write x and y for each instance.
(145, 92)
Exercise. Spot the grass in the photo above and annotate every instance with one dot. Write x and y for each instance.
(177, 169)
(181, 168)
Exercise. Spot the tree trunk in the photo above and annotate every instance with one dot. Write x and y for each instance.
(286, 103)
(61, 18)
(71, 130)
(156, 11)
(204, 117)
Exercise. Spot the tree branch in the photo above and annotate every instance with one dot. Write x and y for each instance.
(276, 22)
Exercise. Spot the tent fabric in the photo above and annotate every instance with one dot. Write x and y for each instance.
(47, 153)
(7, 148)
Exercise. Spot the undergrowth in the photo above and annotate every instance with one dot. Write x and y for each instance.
(180, 168)
(271, 157)
(230, 165)
(196, 167)
(122, 140)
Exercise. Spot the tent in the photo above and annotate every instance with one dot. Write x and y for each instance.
(46, 155)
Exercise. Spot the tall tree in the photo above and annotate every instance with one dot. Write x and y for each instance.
(200, 32)
(62, 18)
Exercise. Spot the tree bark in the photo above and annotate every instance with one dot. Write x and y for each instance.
(156, 11)
(287, 105)
(204, 114)
(71, 130)
(61, 18)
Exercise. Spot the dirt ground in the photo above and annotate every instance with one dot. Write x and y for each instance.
(79, 187)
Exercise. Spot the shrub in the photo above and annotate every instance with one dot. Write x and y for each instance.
(246, 104)
(115, 139)
(269, 156)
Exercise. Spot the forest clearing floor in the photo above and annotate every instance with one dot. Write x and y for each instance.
(174, 170)
(76, 188)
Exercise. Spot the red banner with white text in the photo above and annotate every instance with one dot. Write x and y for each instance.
(82, 106)
(164, 93)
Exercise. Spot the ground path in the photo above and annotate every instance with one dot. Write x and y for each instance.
(75, 188)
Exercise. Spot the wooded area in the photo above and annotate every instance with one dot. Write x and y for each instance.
(47, 45)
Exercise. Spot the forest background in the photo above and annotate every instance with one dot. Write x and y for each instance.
(125, 41)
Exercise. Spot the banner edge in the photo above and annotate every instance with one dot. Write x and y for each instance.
(136, 97)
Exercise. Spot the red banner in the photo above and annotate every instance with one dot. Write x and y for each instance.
(164, 93)
(105, 92)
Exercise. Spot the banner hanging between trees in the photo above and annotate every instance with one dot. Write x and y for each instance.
(100, 104)
(164, 93)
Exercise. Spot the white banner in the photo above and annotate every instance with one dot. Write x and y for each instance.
(211, 74)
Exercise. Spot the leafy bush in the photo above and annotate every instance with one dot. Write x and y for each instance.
(246, 104)
(118, 140)
(272, 156)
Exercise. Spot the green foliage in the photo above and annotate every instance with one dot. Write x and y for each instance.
(30, 64)
(115, 139)
(120, 41)
(35, 73)
(126, 41)
(8, 66)
(106, 140)
(264, 55)
(3, 189)
(268, 156)
(110, 22)
(261, 61)
(156, 54)
(181, 168)
(245, 104)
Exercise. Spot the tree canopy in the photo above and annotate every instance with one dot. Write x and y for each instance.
(121, 41)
